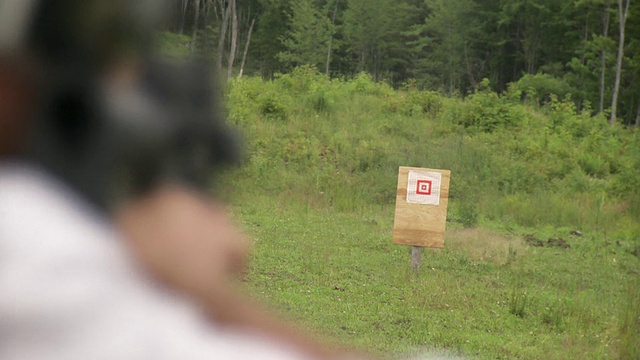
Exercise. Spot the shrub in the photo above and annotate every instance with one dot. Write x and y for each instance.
(468, 214)
(540, 87)
(300, 151)
(301, 79)
(242, 98)
(363, 84)
(319, 98)
(272, 106)
(486, 111)
(593, 164)
(414, 102)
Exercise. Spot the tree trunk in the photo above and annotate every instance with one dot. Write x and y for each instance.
(622, 15)
(637, 116)
(450, 53)
(519, 47)
(585, 38)
(469, 72)
(234, 39)
(603, 54)
(223, 33)
(183, 14)
(376, 64)
(363, 59)
(246, 48)
(196, 18)
(333, 23)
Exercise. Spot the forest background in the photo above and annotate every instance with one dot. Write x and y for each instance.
(589, 49)
(532, 105)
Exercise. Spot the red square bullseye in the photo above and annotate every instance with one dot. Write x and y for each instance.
(423, 187)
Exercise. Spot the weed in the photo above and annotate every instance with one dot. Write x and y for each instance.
(553, 314)
(468, 214)
(272, 107)
(511, 255)
(518, 303)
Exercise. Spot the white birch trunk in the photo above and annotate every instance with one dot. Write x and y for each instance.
(196, 18)
(223, 33)
(246, 48)
(234, 40)
(333, 23)
(622, 15)
(603, 54)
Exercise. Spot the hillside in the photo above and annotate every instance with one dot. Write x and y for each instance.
(317, 193)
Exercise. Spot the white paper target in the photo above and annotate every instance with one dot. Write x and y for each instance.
(424, 187)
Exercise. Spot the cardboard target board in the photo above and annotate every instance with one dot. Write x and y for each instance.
(421, 207)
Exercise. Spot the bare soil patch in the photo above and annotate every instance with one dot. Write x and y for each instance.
(486, 245)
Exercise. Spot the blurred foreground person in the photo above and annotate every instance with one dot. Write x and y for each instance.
(108, 248)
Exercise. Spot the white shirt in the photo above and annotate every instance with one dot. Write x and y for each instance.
(69, 290)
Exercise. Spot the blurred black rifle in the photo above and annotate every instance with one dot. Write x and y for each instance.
(114, 140)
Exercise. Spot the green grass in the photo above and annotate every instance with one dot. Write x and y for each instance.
(317, 195)
(339, 274)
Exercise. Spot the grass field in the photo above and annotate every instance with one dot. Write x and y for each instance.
(317, 196)
(485, 295)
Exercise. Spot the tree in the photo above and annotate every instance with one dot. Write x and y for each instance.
(603, 57)
(374, 31)
(196, 18)
(623, 10)
(445, 44)
(226, 12)
(272, 24)
(246, 47)
(309, 37)
(234, 38)
(448, 44)
(333, 25)
(591, 62)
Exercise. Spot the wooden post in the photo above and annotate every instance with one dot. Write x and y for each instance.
(416, 255)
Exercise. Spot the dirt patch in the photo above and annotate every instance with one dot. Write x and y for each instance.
(551, 242)
(486, 245)
(559, 243)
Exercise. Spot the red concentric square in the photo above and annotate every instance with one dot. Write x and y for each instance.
(424, 187)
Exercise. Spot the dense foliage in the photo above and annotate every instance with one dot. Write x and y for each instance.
(569, 47)
(339, 143)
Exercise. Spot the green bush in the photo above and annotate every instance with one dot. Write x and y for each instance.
(301, 79)
(593, 165)
(320, 98)
(540, 87)
(486, 111)
(272, 106)
(363, 84)
(414, 102)
(468, 214)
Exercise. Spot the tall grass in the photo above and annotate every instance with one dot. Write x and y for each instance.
(630, 324)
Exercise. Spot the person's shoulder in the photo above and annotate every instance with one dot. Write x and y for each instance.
(37, 208)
